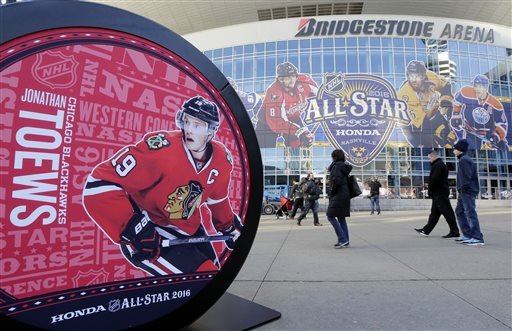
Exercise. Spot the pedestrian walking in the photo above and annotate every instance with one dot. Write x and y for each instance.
(311, 193)
(467, 189)
(374, 195)
(298, 197)
(339, 197)
(439, 191)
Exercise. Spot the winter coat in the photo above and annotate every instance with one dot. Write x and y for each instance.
(311, 191)
(467, 176)
(374, 188)
(438, 179)
(294, 191)
(339, 196)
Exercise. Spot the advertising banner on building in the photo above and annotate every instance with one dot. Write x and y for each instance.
(359, 113)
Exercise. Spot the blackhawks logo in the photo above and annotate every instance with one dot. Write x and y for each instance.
(157, 141)
(358, 113)
(184, 200)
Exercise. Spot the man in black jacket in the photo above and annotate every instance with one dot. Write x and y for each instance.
(297, 196)
(311, 195)
(374, 195)
(439, 190)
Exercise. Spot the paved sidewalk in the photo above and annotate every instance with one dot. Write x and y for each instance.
(390, 278)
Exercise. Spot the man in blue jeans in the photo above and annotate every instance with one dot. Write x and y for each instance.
(374, 195)
(467, 189)
(311, 195)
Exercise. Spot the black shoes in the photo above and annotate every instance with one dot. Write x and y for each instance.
(451, 235)
(318, 224)
(422, 232)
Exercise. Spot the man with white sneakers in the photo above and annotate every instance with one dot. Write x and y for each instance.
(467, 189)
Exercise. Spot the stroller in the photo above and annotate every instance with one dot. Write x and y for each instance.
(286, 207)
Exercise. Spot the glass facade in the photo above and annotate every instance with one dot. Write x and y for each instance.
(401, 164)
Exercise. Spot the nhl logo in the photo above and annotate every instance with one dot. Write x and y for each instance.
(91, 277)
(55, 70)
(333, 83)
(114, 305)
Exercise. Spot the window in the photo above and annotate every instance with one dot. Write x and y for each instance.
(228, 51)
(305, 63)
(293, 45)
(248, 49)
(339, 42)
(260, 66)
(352, 65)
(328, 62)
(340, 61)
(217, 53)
(260, 47)
(328, 42)
(248, 68)
(398, 42)
(305, 44)
(364, 62)
(374, 42)
(352, 42)
(376, 62)
(270, 66)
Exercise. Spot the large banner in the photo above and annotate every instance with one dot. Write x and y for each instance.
(360, 113)
(126, 175)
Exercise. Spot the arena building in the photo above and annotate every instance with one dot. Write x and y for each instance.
(386, 81)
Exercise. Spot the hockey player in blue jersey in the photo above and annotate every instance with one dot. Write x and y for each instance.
(479, 117)
(252, 101)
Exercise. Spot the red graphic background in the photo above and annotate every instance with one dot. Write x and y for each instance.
(70, 99)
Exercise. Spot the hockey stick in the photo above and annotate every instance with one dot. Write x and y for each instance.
(485, 140)
(194, 240)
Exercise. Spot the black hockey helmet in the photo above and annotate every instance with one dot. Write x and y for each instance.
(202, 109)
(286, 69)
(416, 67)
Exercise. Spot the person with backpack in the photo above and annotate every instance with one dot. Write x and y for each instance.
(297, 196)
(311, 192)
(339, 197)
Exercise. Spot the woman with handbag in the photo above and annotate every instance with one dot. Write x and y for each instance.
(339, 197)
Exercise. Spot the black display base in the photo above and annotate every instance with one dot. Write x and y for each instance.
(234, 313)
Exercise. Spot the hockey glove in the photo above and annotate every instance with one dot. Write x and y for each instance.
(456, 121)
(305, 137)
(141, 235)
(234, 232)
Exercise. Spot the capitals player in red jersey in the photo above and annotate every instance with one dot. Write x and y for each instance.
(150, 193)
(479, 117)
(285, 100)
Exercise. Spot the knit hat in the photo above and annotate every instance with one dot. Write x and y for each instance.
(461, 145)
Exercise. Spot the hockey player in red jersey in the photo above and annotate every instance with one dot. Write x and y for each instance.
(280, 115)
(285, 100)
(151, 192)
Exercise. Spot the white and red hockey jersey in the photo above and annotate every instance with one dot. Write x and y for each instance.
(282, 109)
(159, 176)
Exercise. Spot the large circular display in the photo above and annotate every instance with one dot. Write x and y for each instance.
(131, 176)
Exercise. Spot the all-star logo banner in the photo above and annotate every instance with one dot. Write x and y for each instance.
(358, 113)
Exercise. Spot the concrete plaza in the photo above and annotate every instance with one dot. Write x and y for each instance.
(390, 278)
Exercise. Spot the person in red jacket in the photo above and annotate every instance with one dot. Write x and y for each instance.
(152, 191)
(280, 113)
